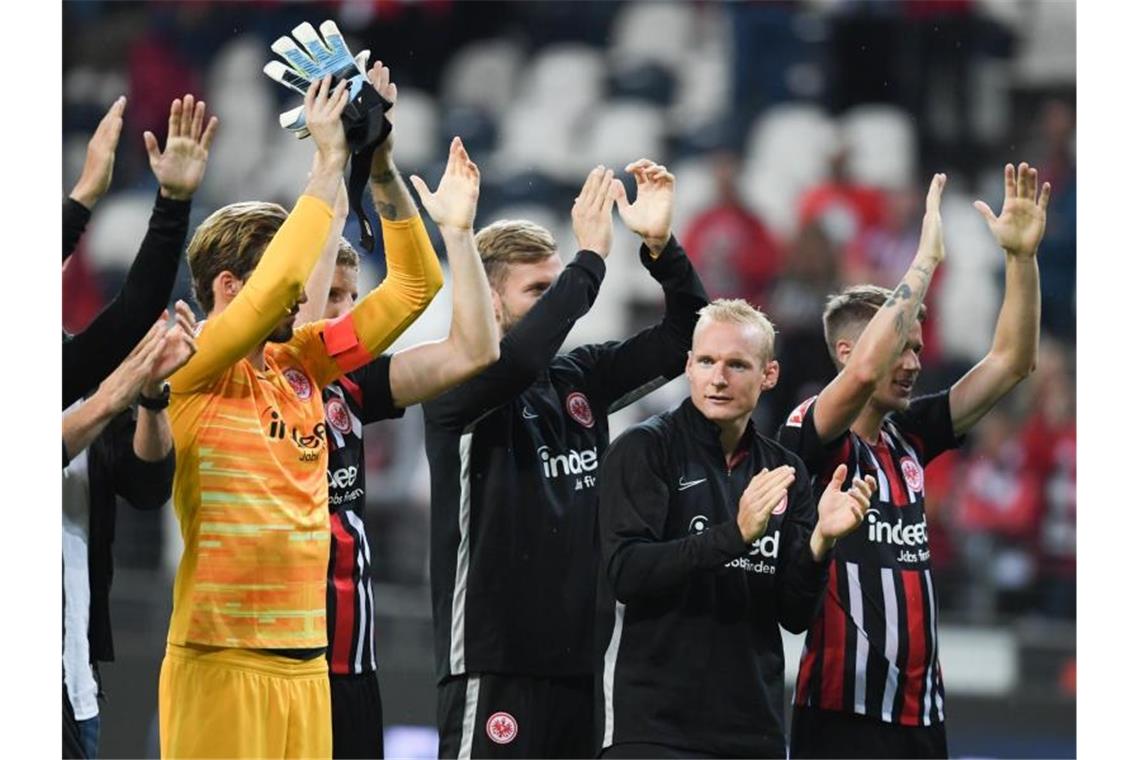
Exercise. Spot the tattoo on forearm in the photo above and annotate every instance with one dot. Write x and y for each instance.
(902, 293)
(386, 177)
(386, 210)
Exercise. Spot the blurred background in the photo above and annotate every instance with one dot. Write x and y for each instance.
(802, 135)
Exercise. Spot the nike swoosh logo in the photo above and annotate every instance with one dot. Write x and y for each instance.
(529, 415)
(682, 485)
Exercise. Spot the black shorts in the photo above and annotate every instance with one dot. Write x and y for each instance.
(490, 715)
(357, 716)
(830, 734)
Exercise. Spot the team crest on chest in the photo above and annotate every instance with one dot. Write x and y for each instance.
(299, 382)
(912, 472)
(579, 408)
(502, 728)
(336, 412)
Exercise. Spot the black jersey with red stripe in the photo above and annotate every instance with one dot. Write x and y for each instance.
(352, 402)
(873, 648)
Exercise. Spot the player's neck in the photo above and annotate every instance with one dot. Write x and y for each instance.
(731, 431)
(869, 422)
(256, 357)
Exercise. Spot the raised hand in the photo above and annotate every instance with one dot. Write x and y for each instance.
(841, 512)
(179, 169)
(380, 77)
(763, 494)
(1022, 222)
(592, 215)
(651, 214)
(100, 162)
(177, 345)
(930, 245)
(453, 203)
(322, 113)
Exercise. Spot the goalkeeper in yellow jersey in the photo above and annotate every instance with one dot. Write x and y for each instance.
(244, 673)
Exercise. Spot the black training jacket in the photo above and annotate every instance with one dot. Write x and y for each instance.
(514, 455)
(688, 650)
(93, 354)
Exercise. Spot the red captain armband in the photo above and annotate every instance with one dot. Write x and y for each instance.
(343, 344)
(796, 418)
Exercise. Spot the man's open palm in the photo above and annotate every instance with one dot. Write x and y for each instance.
(1022, 222)
(180, 168)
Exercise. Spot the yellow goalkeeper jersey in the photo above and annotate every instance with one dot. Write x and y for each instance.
(250, 487)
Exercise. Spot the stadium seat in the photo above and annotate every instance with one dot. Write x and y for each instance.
(566, 78)
(882, 144)
(483, 75)
(696, 190)
(534, 137)
(620, 132)
(648, 31)
(418, 141)
(969, 287)
(1047, 54)
(116, 231)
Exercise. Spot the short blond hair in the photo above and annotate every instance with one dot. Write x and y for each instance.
(740, 312)
(231, 239)
(851, 309)
(512, 241)
(346, 255)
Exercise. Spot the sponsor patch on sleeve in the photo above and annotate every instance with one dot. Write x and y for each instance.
(796, 418)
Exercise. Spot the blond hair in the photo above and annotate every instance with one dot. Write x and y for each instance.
(851, 309)
(740, 312)
(231, 239)
(512, 241)
(346, 255)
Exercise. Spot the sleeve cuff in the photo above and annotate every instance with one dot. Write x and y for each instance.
(591, 262)
(170, 205)
(73, 207)
(670, 252)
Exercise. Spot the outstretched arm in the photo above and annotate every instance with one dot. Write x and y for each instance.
(472, 343)
(389, 193)
(91, 355)
(1013, 354)
(279, 278)
(317, 288)
(884, 337)
(96, 176)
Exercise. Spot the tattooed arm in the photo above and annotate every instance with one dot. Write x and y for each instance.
(389, 193)
(1013, 354)
(885, 336)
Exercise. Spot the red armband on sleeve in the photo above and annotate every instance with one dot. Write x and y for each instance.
(343, 344)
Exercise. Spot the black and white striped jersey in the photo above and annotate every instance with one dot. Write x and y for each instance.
(514, 455)
(873, 648)
(352, 402)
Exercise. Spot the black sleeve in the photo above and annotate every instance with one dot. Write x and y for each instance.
(527, 349)
(375, 381)
(619, 372)
(145, 485)
(928, 420)
(798, 434)
(633, 505)
(94, 353)
(800, 580)
(75, 218)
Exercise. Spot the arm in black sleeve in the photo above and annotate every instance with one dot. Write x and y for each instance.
(633, 506)
(623, 371)
(75, 218)
(528, 348)
(94, 353)
(800, 580)
(375, 381)
(145, 485)
(928, 420)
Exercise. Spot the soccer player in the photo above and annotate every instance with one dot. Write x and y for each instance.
(383, 389)
(514, 454)
(869, 683)
(91, 355)
(710, 542)
(244, 673)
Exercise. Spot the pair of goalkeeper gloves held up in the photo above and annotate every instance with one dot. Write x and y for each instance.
(365, 122)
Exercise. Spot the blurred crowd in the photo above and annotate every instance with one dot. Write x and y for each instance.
(802, 135)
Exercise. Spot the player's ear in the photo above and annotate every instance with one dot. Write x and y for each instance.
(497, 304)
(843, 350)
(771, 375)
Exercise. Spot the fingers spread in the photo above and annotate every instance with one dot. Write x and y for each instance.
(1046, 191)
(208, 135)
(1010, 181)
(196, 123)
(986, 212)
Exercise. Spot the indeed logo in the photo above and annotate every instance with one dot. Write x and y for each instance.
(342, 478)
(882, 532)
(767, 547)
(571, 463)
